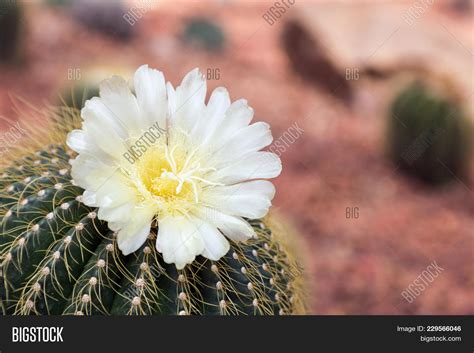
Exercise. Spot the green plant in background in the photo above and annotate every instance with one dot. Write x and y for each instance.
(429, 136)
(57, 257)
(59, 2)
(204, 34)
(10, 29)
(103, 16)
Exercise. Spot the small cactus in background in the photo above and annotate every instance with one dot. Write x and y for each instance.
(10, 29)
(57, 257)
(204, 34)
(103, 16)
(59, 2)
(428, 134)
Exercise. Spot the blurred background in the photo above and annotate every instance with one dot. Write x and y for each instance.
(371, 108)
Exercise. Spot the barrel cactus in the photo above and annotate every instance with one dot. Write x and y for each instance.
(60, 256)
(204, 34)
(429, 136)
(10, 29)
(105, 17)
(75, 96)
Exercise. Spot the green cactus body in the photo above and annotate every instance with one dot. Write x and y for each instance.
(428, 135)
(57, 257)
(10, 28)
(76, 96)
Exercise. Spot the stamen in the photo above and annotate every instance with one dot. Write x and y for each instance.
(165, 180)
(189, 158)
(207, 181)
(195, 191)
(167, 156)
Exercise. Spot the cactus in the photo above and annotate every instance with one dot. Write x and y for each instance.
(428, 135)
(204, 34)
(57, 257)
(103, 16)
(10, 29)
(76, 96)
(59, 2)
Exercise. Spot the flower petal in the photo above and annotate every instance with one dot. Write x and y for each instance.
(189, 100)
(81, 142)
(95, 111)
(215, 244)
(178, 240)
(237, 116)
(171, 93)
(122, 104)
(251, 199)
(249, 139)
(135, 232)
(110, 143)
(116, 214)
(76, 141)
(235, 228)
(89, 172)
(255, 165)
(214, 113)
(150, 89)
(115, 191)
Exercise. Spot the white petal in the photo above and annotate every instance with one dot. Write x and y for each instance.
(171, 93)
(251, 199)
(237, 116)
(150, 89)
(110, 143)
(89, 172)
(81, 142)
(215, 244)
(235, 228)
(178, 240)
(135, 232)
(255, 165)
(189, 100)
(97, 112)
(116, 214)
(249, 139)
(76, 141)
(89, 199)
(117, 97)
(115, 191)
(214, 114)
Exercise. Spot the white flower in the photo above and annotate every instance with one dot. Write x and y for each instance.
(156, 153)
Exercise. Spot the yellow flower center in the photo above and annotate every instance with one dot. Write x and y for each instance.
(159, 173)
(173, 176)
